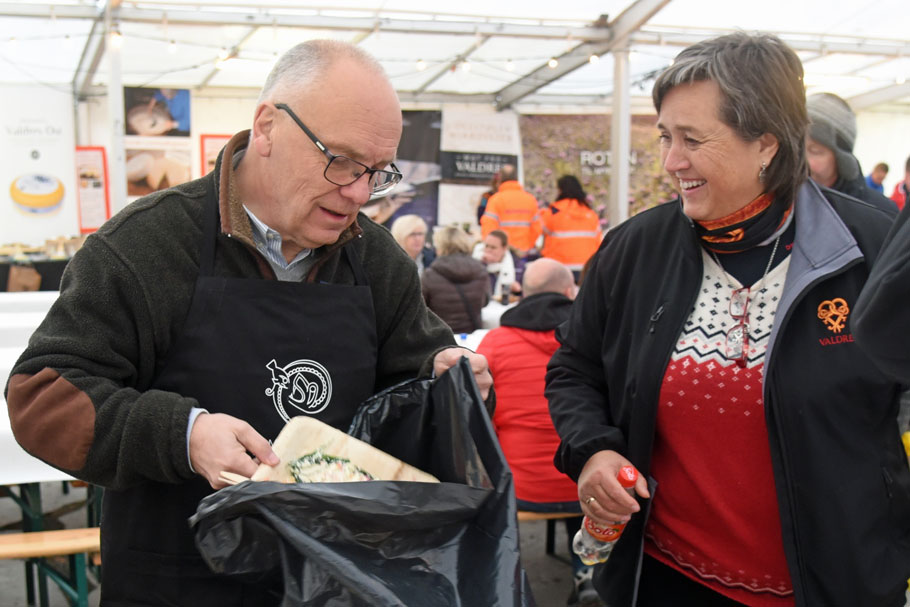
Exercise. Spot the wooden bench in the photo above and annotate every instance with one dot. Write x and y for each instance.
(36, 546)
(551, 518)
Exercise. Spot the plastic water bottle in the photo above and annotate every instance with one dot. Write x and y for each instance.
(594, 542)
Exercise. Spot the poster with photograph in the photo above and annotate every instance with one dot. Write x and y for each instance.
(92, 188)
(418, 161)
(579, 145)
(152, 112)
(154, 164)
(37, 175)
(209, 148)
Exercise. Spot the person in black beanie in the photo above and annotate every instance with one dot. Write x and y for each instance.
(829, 147)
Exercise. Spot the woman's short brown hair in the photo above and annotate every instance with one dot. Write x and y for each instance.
(761, 82)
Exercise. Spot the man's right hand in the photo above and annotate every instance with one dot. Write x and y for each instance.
(221, 442)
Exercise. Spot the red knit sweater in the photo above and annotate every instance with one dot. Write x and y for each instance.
(715, 514)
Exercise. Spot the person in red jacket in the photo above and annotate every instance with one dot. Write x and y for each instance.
(571, 228)
(518, 352)
(902, 189)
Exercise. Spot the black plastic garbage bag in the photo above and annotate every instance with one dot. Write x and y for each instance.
(386, 543)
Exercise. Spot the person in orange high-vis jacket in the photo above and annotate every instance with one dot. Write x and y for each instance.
(514, 211)
(571, 228)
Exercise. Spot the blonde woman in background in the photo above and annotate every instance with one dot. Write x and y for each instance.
(456, 286)
(410, 231)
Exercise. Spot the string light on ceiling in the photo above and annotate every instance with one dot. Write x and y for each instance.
(553, 63)
(421, 65)
(224, 56)
(116, 38)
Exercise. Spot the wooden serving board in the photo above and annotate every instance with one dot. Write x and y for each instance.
(303, 435)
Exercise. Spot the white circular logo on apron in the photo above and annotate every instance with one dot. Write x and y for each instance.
(304, 385)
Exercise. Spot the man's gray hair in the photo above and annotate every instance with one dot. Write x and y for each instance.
(302, 65)
(761, 84)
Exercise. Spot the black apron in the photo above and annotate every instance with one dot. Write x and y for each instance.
(262, 351)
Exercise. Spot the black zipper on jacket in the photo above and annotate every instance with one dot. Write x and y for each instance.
(655, 317)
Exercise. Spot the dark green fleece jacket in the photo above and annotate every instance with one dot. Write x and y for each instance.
(79, 395)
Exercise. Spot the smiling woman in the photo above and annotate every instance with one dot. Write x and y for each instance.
(701, 350)
(716, 171)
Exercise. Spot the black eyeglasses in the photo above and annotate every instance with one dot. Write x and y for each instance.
(342, 170)
(737, 338)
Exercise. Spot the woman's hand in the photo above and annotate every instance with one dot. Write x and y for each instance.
(610, 503)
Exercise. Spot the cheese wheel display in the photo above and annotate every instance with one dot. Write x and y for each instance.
(313, 451)
(37, 193)
(138, 166)
(149, 121)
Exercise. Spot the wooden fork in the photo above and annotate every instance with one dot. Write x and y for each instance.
(231, 478)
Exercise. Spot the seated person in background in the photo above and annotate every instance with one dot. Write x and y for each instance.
(829, 147)
(410, 231)
(455, 287)
(494, 253)
(518, 352)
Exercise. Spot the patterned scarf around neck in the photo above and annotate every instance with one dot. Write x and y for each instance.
(748, 227)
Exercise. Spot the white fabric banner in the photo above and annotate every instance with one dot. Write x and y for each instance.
(37, 165)
(471, 129)
(480, 130)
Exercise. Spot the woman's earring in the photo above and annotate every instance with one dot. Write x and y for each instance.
(763, 172)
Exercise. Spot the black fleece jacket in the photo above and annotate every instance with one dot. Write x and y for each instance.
(79, 396)
(841, 476)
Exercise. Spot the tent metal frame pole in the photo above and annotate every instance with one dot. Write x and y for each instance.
(115, 112)
(620, 139)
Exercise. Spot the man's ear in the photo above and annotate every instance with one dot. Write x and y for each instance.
(264, 127)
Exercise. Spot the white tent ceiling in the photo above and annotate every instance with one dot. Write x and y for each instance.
(472, 50)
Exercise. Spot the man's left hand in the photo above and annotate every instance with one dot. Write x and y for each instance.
(448, 357)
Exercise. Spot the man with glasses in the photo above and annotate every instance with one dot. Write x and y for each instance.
(201, 318)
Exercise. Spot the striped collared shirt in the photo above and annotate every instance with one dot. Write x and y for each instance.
(268, 242)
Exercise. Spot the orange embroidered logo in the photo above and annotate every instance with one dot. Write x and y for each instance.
(833, 313)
